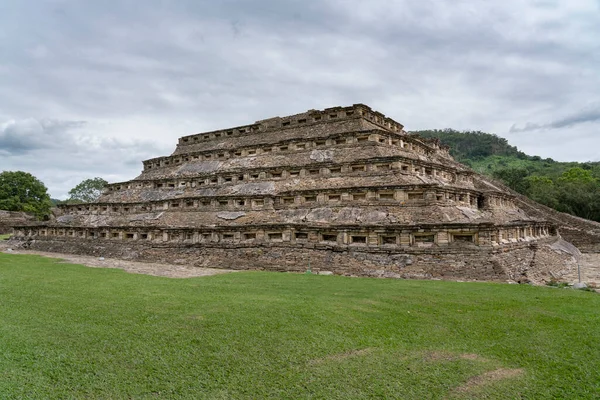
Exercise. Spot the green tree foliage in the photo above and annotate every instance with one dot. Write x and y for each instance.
(472, 144)
(21, 191)
(543, 190)
(578, 175)
(87, 191)
(579, 194)
(514, 178)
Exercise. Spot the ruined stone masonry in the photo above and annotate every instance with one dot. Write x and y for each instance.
(344, 189)
(8, 219)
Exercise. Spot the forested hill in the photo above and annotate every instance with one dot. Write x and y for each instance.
(472, 145)
(570, 187)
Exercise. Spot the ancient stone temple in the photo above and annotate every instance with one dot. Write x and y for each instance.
(344, 189)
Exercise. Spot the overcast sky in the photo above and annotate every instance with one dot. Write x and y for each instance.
(91, 88)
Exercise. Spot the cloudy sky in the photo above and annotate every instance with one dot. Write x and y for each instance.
(91, 88)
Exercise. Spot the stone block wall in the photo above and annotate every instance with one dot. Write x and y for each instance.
(536, 262)
(8, 219)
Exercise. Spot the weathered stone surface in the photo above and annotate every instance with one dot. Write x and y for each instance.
(321, 155)
(8, 219)
(519, 262)
(230, 215)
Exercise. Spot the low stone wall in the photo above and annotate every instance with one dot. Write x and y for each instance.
(583, 233)
(535, 262)
(8, 219)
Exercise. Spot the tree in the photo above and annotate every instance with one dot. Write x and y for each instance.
(87, 191)
(579, 193)
(543, 190)
(514, 178)
(578, 175)
(21, 191)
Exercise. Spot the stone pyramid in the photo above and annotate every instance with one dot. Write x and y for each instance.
(343, 190)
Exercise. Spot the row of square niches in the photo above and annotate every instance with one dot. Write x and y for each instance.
(398, 197)
(275, 174)
(285, 123)
(331, 237)
(223, 155)
(300, 173)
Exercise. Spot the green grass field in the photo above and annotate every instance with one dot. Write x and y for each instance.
(5, 237)
(68, 331)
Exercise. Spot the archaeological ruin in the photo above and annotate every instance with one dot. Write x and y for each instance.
(344, 190)
(8, 219)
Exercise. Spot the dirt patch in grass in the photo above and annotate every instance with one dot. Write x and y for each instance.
(341, 356)
(134, 267)
(439, 356)
(447, 356)
(487, 378)
(472, 357)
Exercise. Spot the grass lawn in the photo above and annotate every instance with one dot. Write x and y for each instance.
(5, 237)
(68, 331)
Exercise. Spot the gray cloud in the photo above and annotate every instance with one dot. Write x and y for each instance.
(62, 153)
(18, 137)
(143, 75)
(586, 115)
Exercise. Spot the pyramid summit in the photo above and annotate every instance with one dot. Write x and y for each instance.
(344, 189)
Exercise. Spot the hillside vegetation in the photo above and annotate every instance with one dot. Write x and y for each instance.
(570, 187)
(71, 332)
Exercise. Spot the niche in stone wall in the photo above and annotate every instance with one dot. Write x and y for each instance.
(388, 239)
(302, 236)
(358, 239)
(463, 237)
(423, 239)
(275, 236)
(227, 237)
(329, 237)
